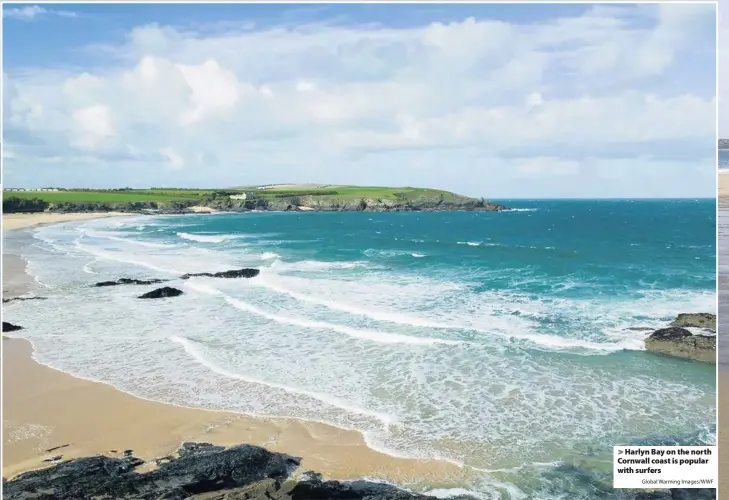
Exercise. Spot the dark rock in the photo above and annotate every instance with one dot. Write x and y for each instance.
(13, 299)
(57, 448)
(112, 478)
(201, 471)
(194, 449)
(161, 460)
(235, 273)
(696, 320)
(9, 327)
(129, 281)
(310, 475)
(679, 342)
(162, 293)
(53, 459)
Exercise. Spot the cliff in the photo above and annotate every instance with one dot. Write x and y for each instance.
(318, 199)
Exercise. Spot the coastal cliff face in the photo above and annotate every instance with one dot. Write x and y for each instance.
(133, 207)
(337, 204)
(203, 471)
(291, 203)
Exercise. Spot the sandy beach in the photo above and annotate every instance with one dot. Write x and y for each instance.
(20, 221)
(45, 409)
(724, 188)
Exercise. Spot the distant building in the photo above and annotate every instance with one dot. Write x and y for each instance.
(32, 189)
(238, 196)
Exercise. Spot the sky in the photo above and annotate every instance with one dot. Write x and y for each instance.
(494, 100)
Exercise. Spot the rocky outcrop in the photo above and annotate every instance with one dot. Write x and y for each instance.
(14, 299)
(234, 273)
(401, 202)
(199, 471)
(138, 207)
(129, 281)
(202, 471)
(186, 477)
(696, 320)
(321, 201)
(9, 327)
(160, 293)
(681, 343)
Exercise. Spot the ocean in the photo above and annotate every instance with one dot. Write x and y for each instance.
(505, 341)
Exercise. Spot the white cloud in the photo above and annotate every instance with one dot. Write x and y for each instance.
(175, 160)
(487, 102)
(93, 125)
(213, 90)
(32, 12)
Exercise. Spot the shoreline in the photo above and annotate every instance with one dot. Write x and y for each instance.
(16, 221)
(47, 408)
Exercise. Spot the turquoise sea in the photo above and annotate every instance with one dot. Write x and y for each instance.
(505, 342)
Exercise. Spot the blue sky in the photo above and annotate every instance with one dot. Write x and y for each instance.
(501, 101)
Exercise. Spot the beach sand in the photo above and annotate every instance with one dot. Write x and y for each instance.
(45, 408)
(20, 221)
(724, 188)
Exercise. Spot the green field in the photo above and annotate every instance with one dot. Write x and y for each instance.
(282, 191)
(352, 192)
(107, 196)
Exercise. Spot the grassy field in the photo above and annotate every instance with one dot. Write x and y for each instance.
(279, 191)
(107, 196)
(352, 192)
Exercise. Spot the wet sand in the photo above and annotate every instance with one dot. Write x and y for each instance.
(20, 221)
(45, 408)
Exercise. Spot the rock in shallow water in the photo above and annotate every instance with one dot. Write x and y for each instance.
(234, 273)
(9, 327)
(160, 293)
(129, 281)
(696, 320)
(13, 299)
(681, 343)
